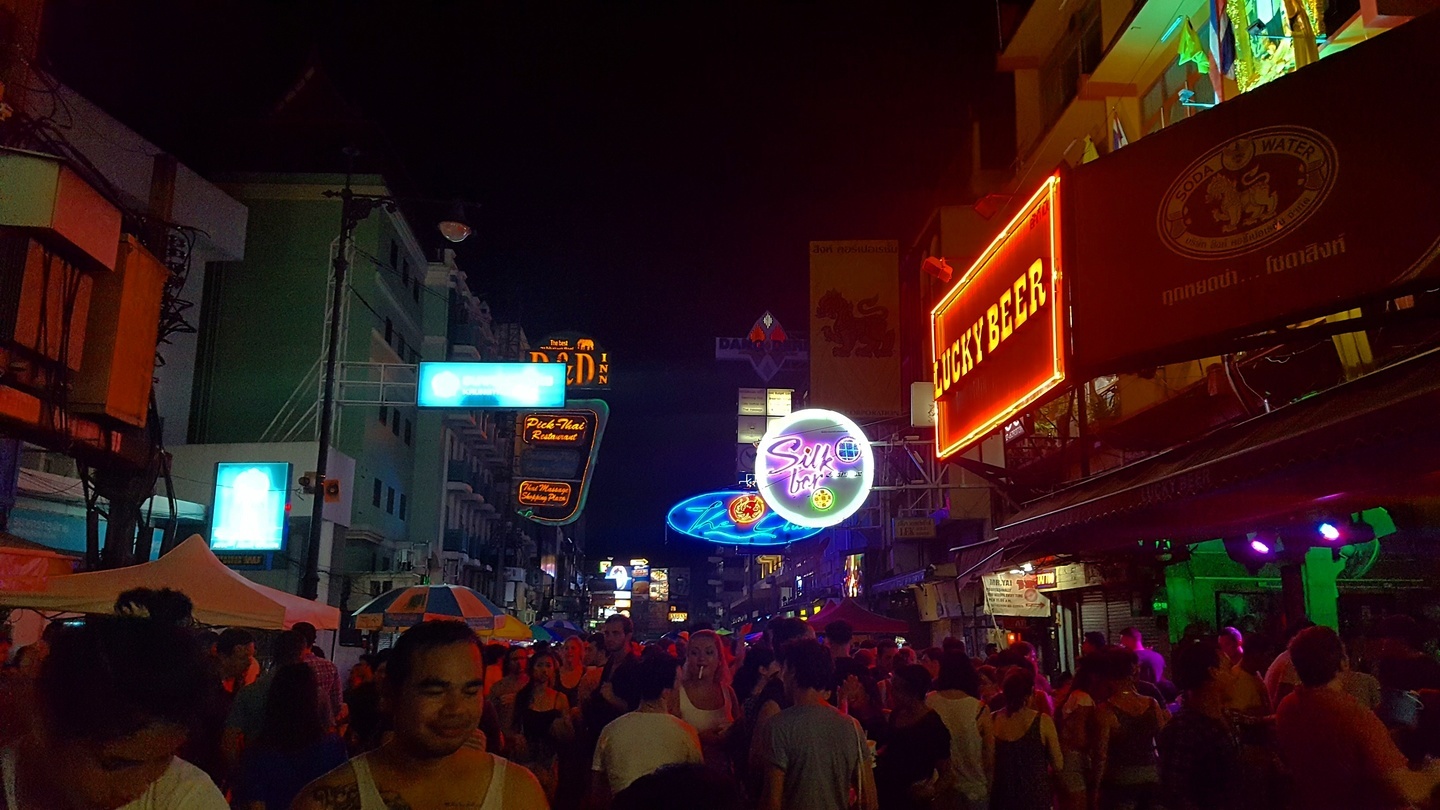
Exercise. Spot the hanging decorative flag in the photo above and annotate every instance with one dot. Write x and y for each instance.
(1117, 132)
(1090, 152)
(1222, 38)
(1190, 49)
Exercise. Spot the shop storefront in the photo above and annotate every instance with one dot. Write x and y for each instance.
(1272, 230)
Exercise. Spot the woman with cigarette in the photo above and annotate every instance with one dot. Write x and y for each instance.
(703, 697)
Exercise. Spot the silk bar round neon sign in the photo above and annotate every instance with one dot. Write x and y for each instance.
(815, 468)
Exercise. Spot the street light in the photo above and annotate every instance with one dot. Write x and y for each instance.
(354, 208)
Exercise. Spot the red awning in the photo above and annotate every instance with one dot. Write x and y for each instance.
(861, 621)
(1368, 442)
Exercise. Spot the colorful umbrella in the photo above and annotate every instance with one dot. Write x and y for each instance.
(540, 633)
(507, 628)
(407, 607)
(561, 629)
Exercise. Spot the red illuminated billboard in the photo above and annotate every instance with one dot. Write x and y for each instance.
(998, 336)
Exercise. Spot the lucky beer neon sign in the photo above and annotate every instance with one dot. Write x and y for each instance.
(998, 336)
(815, 468)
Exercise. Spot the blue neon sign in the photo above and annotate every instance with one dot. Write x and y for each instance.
(491, 385)
(735, 517)
(248, 513)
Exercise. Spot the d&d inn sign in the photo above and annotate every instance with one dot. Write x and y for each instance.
(998, 336)
(587, 362)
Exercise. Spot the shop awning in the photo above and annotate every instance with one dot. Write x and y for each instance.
(222, 597)
(1363, 443)
(861, 621)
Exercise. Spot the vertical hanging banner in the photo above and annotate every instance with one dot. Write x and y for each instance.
(854, 327)
(555, 453)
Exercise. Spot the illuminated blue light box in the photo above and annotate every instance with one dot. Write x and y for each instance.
(249, 506)
(491, 385)
(735, 517)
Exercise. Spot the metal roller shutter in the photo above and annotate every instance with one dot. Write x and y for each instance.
(1111, 611)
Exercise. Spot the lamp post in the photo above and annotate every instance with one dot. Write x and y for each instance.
(354, 208)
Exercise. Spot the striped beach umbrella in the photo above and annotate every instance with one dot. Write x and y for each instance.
(407, 607)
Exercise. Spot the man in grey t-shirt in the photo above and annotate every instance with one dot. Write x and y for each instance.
(813, 754)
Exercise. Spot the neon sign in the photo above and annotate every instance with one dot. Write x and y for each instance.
(734, 517)
(998, 336)
(815, 468)
(490, 385)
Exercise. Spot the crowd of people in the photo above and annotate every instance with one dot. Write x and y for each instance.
(142, 711)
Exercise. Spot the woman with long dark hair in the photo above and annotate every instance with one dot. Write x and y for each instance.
(542, 721)
(1027, 748)
(293, 747)
(966, 783)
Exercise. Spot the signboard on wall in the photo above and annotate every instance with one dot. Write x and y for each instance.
(490, 385)
(1013, 595)
(555, 460)
(1274, 207)
(768, 348)
(734, 517)
(815, 467)
(855, 327)
(248, 510)
(586, 362)
(998, 335)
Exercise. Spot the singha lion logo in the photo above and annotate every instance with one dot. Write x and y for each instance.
(858, 329)
(1247, 192)
(1249, 203)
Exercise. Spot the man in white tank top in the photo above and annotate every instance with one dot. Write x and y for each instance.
(433, 682)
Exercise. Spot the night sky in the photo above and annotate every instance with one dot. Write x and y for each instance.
(648, 173)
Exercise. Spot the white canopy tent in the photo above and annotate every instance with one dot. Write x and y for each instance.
(222, 597)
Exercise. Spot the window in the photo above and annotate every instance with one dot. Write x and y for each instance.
(375, 497)
(405, 271)
(400, 346)
(389, 331)
(404, 505)
(408, 434)
(395, 425)
(394, 254)
(384, 414)
(1160, 105)
(389, 500)
(415, 291)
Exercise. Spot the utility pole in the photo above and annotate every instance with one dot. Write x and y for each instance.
(310, 583)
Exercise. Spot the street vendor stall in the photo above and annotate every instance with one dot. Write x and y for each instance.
(222, 597)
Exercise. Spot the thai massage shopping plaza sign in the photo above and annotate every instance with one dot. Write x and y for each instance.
(555, 460)
(998, 336)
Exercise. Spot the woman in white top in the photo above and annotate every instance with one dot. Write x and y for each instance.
(966, 785)
(703, 697)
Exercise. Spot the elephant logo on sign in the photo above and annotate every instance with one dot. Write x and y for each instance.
(585, 345)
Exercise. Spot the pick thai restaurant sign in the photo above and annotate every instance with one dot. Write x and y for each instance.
(998, 335)
(563, 429)
(555, 460)
(1278, 206)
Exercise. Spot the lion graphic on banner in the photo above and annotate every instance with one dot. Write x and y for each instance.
(1248, 203)
(857, 329)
